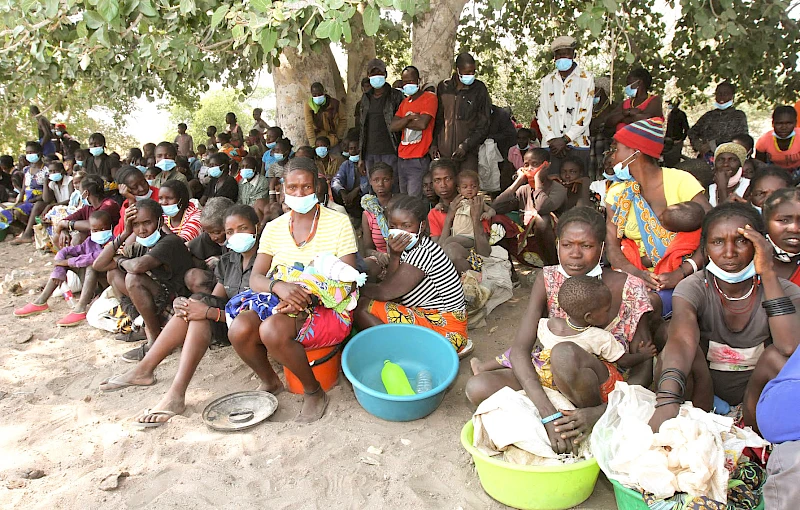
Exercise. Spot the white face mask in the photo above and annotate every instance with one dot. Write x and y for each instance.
(596, 272)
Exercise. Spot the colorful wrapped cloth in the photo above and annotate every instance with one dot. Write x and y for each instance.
(451, 325)
(56, 214)
(323, 327)
(339, 296)
(370, 204)
(682, 246)
(20, 212)
(655, 238)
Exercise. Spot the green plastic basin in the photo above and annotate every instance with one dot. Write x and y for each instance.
(629, 499)
(532, 487)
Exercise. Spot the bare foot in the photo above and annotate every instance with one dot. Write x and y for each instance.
(475, 364)
(22, 240)
(275, 387)
(167, 403)
(130, 378)
(313, 407)
(577, 424)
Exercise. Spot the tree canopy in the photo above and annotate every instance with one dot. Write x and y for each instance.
(111, 51)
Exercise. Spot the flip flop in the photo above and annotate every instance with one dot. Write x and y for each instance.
(116, 384)
(135, 355)
(325, 401)
(467, 350)
(152, 425)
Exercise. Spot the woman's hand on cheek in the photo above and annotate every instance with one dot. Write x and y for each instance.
(763, 258)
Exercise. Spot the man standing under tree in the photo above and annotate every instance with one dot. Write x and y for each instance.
(324, 116)
(415, 118)
(462, 122)
(565, 106)
(378, 107)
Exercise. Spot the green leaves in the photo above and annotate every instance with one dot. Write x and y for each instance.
(372, 20)
(268, 38)
(261, 6)
(146, 8)
(29, 92)
(187, 6)
(93, 20)
(108, 9)
(219, 15)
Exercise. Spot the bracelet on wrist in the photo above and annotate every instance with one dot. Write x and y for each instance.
(272, 284)
(552, 417)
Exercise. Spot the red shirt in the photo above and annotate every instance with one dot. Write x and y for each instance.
(121, 225)
(415, 144)
(84, 212)
(436, 222)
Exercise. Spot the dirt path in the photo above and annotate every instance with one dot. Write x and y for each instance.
(54, 419)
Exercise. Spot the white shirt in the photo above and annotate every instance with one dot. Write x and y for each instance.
(565, 107)
(61, 189)
(744, 183)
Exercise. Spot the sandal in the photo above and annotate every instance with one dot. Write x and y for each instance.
(71, 319)
(466, 350)
(134, 335)
(135, 355)
(30, 309)
(114, 383)
(154, 424)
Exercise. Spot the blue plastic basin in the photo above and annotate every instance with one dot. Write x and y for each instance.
(414, 348)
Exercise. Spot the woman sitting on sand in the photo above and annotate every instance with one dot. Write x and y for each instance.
(729, 313)
(581, 234)
(422, 286)
(197, 320)
(306, 231)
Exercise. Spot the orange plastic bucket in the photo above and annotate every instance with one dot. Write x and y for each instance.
(326, 372)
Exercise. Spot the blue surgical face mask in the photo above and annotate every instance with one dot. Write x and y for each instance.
(215, 171)
(171, 210)
(466, 79)
(79, 163)
(596, 101)
(300, 204)
(192, 159)
(321, 151)
(318, 100)
(611, 177)
(623, 173)
(398, 232)
(166, 165)
(410, 89)
(738, 277)
(271, 145)
(564, 64)
(56, 177)
(630, 91)
(141, 168)
(787, 137)
(150, 182)
(32, 158)
(145, 197)
(59, 133)
(377, 81)
(247, 173)
(96, 151)
(241, 242)
(102, 237)
(355, 158)
(345, 154)
(85, 201)
(151, 240)
(278, 156)
(723, 106)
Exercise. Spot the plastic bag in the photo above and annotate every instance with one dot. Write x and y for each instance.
(100, 315)
(629, 409)
(488, 170)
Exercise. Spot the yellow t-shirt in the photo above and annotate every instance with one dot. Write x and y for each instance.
(679, 186)
(334, 235)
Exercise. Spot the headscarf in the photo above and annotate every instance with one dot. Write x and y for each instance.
(732, 148)
(370, 204)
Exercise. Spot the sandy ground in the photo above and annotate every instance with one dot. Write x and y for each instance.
(53, 418)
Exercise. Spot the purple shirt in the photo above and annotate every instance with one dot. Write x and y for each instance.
(82, 255)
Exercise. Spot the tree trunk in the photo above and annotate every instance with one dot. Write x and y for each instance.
(433, 40)
(360, 50)
(293, 81)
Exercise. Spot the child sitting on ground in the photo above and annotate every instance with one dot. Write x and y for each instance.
(586, 301)
(462, 230)
(74, 258)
